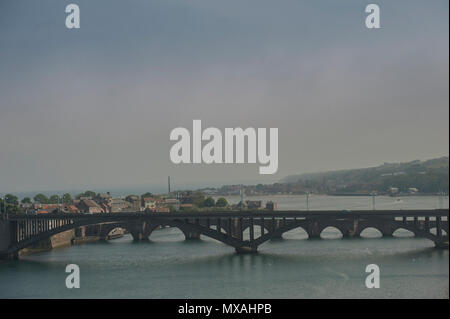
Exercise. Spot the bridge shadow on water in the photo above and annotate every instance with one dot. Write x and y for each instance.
(267, 254)
(293, 249)
(298, 250)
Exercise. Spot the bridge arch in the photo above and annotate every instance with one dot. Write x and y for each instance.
(420, 233)
(433, 230)
(297, 233)
(114, 232)
(331, 232)
(168, 233)
(403, 233)
(371, 232)
(107, 229)
(256, 232)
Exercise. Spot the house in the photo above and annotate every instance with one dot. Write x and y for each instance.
(26, 206)
(271, 206)
(393, 190)
(105, 206)
(48, 208)
(71, 209)
(150, 203)
(103, 198)
(175, 203)
(254, 204)
(119, 205)
(135, 202)
(186, 206)
(89, 206)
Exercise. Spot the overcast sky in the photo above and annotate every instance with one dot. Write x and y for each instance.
(94, 107)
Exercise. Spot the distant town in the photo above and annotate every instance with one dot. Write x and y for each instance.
(90, 202)
(429, 177)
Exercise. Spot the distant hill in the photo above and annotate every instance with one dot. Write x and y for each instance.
(430, 176)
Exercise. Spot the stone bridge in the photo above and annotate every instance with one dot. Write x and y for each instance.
(244, 231)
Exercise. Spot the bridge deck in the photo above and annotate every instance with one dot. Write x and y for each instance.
(22, 230)
(260, 213)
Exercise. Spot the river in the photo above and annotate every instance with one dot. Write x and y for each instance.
(169, 267)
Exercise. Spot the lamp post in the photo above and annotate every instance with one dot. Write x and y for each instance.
(5, 207)
(441, 199)
(373, 199)
(307, 201)
(242, 197)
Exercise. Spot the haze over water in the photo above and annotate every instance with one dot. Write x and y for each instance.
(169, 267)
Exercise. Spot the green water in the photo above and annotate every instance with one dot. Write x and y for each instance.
(295, 267)
(169, 267)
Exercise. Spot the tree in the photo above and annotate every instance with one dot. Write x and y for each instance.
(26, 200)
(222, 202)
(9, 204)
(54, 199)
(148, 194)
(67, 198)
(90, 194)
(209, 202)
(41, 199)
(130, 198)
(11, 199)
(198, 198)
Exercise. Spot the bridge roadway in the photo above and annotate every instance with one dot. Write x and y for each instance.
(244, 231)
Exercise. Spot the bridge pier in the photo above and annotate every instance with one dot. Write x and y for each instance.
(9, 256)
(313, 230)
(441, 245)
(246, 250)
(141, 230)
(275, 225)
(191, 235)
(138, 236)
(388, 231)
(349, 234)
(6, 234)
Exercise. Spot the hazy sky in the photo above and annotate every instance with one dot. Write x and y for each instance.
(94, 107)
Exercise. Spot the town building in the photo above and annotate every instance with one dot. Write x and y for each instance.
(119, 205)
(173, 202)
(135, 202)
(150, 203)
(254, 204)
(271, 206)
(88, 206)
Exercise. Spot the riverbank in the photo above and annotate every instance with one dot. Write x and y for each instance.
(71, 237)
(328, 202)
